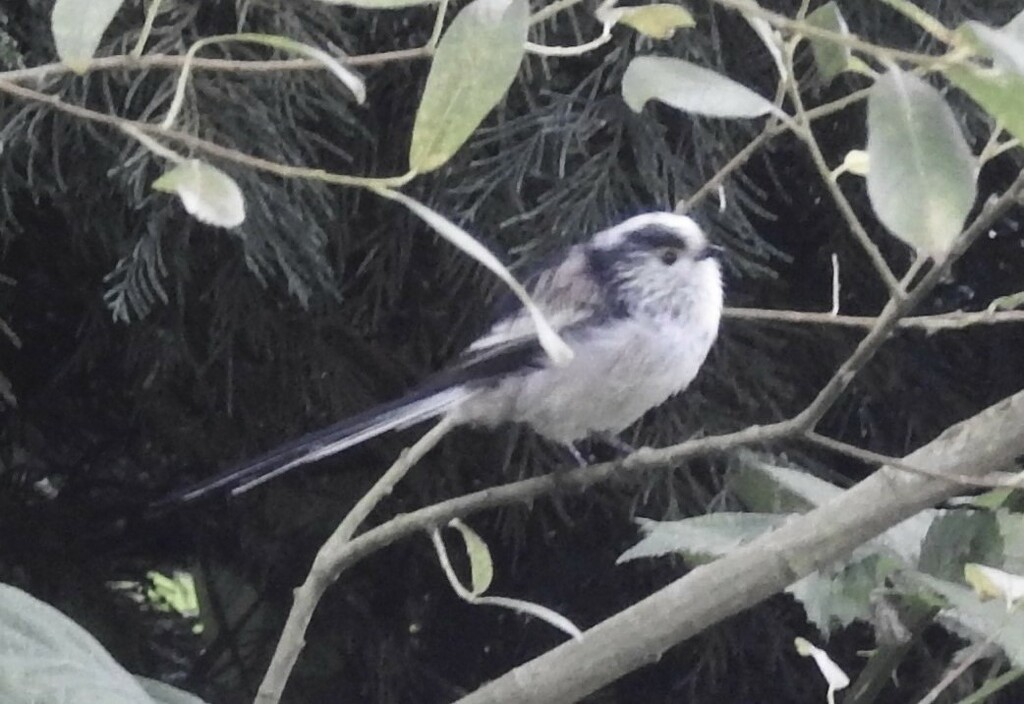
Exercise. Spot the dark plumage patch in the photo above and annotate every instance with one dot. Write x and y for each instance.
(655, 237)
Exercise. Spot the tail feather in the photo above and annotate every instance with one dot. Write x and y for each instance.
(317, 445)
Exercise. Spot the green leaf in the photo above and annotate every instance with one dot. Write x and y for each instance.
(835, 598)
(689, 88)
(1004, 46)
(922, 178)
(1000, 93)
(475, 63)
(958, 537)
(762, 486)
(970, 617)
(47, 657)
(1011, 530)
(701, 538)
(480, 563)
(208, 194)
(78, 26)
(659, 21)
(831, 58)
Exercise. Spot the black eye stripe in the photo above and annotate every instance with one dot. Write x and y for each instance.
(656, 238)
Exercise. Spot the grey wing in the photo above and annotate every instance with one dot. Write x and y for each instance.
(570, 299)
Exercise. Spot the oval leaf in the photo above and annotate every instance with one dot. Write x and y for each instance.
(208, 194)
(1005, 46)
(480, 563)
(475, 63)
(78, 26)
(690, 88)
(1000, 93)
(659, 21)
(922, 177)
(830, 58)
(47, 657)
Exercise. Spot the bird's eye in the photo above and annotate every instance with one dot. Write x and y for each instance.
(669, 257)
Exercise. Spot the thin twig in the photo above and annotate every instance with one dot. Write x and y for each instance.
(202, 145)
(977, 651)
(956, 320)
(323, 572)
(997, 480)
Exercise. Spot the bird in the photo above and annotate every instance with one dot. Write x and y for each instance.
(639, 305)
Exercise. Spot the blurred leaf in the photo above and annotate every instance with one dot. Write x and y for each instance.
(701, 538)
(1011, 530)
(47, 657)
(833, 674)
(689, 88)
(970, 617)
(1005, 46)
(831, 58)
(857, 162)
(922, 178)
(480, 562)
(992, 583)
(208, 194)
(473, 67)
(1000, 93)
(78, 26)
(958, 537)
(766, 487)
(659, 21)
(834, 598)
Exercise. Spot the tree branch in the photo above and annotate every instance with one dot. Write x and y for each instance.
(956, 320)
(710, 593)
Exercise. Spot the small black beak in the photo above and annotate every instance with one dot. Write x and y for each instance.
(709, 251)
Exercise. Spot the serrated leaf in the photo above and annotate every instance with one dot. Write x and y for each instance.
(999, 92)
(480, 562)
(700, 538)
(47, 657)
(473, 67)
(689, 88)
(969, 616)
(922, 178)
(658, 21)
(208, 194)
(837, 597)
(830, 58)
(78, 27)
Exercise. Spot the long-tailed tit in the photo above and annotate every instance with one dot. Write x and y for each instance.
(639, 305)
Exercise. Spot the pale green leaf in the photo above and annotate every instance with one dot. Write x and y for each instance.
(999, 92)
(958, 537)
(1009, 302)
(1005, 46)
(47, 657)
(1011, 530)
(78, 26)
(831, 58)
(922, 178)
(971, 617)
(659, 21)
(838, 596)
(833, 674)
(480, 563)
(208, 194)
(700, 538)
(689, 88)
(992, 583)
(857, 162)
(475, 63)
(555, 347)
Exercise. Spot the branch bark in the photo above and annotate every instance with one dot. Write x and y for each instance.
(640, 634)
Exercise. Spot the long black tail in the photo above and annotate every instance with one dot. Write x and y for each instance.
(409, 410)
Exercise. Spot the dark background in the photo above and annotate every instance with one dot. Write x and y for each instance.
(156, 350)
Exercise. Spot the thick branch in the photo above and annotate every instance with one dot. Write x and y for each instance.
(639, 635)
